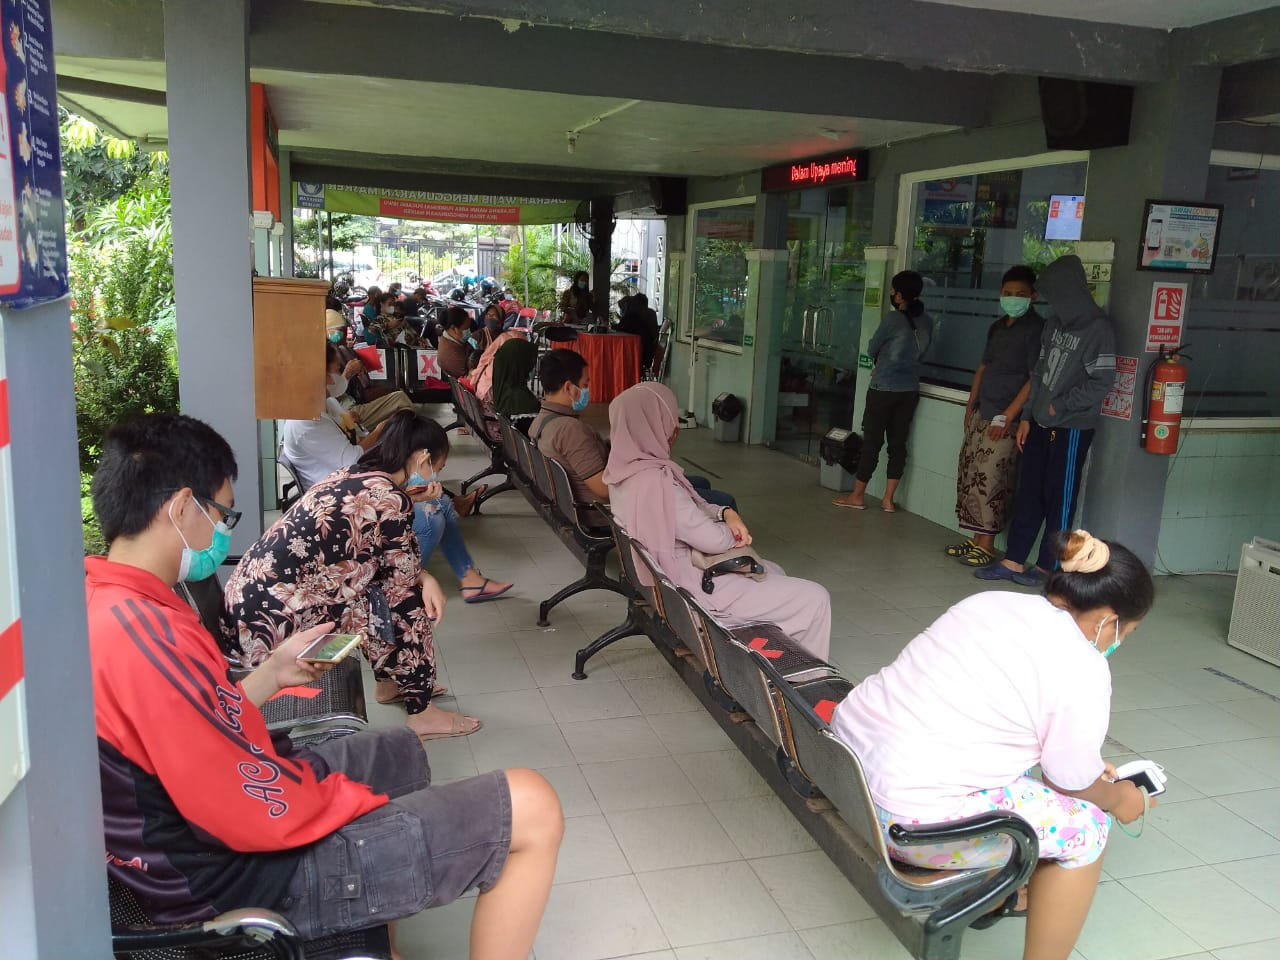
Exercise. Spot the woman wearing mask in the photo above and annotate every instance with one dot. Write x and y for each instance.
(454, 350)
(347, 553)
(435, 521)
(999, 683)
(897, 347)
(491, 323)
(577, 305)
(376, 331)
(655, 504)
(372, 307)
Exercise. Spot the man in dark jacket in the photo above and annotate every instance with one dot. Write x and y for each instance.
(1076, 370)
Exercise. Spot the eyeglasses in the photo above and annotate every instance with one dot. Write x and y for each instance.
(229, 517)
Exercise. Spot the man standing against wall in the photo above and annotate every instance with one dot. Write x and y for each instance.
(1076, 369)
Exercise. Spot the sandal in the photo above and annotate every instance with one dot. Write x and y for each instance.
(482, 596)
(958, 550)
(457, 728)
(977, 557)
(841, 502)
(470, 500)
(1006, 909)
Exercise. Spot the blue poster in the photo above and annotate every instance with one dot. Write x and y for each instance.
(33, 244)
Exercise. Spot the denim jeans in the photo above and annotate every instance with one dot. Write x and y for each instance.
(436, 524)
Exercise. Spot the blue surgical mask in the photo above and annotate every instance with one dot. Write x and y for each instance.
(472, 341)
(335, 337)
(1015, 306)
(584, 397)
(203, 564)
(418, 480)
(582, 284)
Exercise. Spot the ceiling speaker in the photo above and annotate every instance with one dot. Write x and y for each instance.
(1083, 115)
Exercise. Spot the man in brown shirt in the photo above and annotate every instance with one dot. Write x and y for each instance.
(560, 433)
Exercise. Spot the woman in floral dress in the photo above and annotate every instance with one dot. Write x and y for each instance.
(348, 543)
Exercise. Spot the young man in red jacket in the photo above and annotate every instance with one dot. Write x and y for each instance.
(203, 811)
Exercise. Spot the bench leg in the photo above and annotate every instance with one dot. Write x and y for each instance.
(492, 492)
(634, 625)
(593, 579)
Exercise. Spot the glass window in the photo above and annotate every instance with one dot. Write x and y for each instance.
(722, 236)
(1233, 320)
(966, 232)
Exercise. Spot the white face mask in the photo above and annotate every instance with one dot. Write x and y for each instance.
(337, 385)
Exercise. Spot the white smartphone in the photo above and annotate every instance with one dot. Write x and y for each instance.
(1144, 773)
(330, 648)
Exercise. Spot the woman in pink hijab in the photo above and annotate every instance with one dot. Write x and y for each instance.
(482, 377)
(653, 501)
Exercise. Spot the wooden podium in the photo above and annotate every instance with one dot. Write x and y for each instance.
(288, 348)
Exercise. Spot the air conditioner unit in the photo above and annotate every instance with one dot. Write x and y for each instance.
(1255, 615)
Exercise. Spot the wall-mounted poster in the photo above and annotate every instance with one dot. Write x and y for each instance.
(33, 246)
(1179, 236)
(996, 200)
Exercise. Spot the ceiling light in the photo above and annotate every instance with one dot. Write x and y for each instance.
(829, 133)
(572, 139)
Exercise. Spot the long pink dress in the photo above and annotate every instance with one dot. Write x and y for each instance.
(801, 608)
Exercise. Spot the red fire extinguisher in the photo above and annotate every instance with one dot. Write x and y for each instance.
(1166, 387)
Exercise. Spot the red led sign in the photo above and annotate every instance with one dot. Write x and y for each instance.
(829, 171)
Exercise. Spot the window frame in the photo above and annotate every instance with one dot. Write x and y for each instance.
(684, 333)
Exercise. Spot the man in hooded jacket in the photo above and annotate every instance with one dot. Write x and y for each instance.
(1075, 371)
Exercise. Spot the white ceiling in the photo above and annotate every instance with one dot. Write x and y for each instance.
(1166, 14)
(519, 127)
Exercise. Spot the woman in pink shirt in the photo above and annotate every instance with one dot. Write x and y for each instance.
(999, 683)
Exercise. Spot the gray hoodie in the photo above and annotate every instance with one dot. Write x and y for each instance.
(1077, 364)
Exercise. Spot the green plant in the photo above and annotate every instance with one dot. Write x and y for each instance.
(547, 260)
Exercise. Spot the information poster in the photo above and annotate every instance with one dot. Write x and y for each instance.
(1119, 402)
(1164, 319)
(1178, 236)
(437, 207)
(33, 246)
(947, 203)
(997, 198)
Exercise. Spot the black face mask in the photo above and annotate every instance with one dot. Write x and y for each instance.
(494, 325)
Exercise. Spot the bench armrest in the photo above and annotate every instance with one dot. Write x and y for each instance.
(265, 927)
(965, 907)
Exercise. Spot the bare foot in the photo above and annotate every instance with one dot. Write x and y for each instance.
(463, 505)
(888, 506)
(387, 691)
(434, 724)
(850, 500)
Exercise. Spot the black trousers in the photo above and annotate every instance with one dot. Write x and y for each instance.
(1048, 489)
(888, 413)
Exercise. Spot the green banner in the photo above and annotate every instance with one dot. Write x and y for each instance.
(440, 207)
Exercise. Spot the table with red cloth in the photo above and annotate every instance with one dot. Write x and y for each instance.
(613, 359)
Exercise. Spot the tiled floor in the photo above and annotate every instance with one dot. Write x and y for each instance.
(676, 850)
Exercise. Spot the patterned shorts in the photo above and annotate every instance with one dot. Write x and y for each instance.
(1072, 832)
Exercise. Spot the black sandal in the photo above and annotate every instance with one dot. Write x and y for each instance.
(1006, 909)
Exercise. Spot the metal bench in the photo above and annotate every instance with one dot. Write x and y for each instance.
(474, 417)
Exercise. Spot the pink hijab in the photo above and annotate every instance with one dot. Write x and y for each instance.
(641, 421)
(482, 376)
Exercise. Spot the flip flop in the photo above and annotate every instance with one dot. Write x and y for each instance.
(891, 508)
(436, 691)
(456, 729)
(482, 597)
(852, 506)
(472, 498)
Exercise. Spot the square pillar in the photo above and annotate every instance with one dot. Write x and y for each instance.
(207, 70)
(1170, 140)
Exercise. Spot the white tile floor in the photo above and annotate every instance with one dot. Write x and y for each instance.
(676, 850)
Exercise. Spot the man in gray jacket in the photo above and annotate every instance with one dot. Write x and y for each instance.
(1076, 369)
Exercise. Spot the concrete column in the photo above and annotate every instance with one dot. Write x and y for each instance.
(209, 173)
(54, 883)
(1167, 158)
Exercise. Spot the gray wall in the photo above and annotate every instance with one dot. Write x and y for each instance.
(54, 902)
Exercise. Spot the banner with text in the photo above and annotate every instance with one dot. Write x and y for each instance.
(439, 207)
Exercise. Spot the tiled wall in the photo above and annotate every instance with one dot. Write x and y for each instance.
(1223, 489)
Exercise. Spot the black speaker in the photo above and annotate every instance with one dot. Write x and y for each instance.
(1083, 115)
(670, 195)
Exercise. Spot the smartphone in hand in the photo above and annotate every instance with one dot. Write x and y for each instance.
(330, 648)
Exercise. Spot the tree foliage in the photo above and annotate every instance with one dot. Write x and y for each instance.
(98, 169)
(544, 266)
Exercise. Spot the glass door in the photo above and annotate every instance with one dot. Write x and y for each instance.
(826, 233)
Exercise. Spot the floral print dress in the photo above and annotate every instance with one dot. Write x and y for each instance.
(350, 534)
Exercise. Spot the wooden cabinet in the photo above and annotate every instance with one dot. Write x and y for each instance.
(288, 348)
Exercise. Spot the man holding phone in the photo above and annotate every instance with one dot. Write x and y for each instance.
(203, 811)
